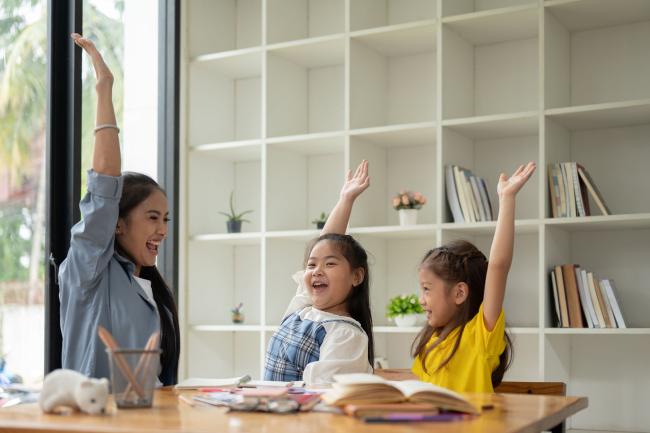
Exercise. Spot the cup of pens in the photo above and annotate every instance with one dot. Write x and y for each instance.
(133, 376)
(133, 371)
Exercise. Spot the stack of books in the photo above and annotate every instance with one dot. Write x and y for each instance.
(569, 186)
(467, 195)
(583, 301)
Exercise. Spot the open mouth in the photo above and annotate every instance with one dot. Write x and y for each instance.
(153, 246)
(319, 286)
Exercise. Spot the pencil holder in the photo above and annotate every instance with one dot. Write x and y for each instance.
(133, 376)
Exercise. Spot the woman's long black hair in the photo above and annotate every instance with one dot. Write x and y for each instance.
(136, 188)
(358, 301)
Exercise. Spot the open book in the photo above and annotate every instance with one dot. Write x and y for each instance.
(368, 388)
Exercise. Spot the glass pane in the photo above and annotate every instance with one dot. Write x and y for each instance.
(23, 50)
(126, 33)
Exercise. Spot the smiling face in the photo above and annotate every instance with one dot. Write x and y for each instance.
(439, 301)
(142, 231)
(329, 278)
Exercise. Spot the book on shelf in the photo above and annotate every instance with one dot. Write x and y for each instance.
(570, 186)
(582, 300)
(467, 195)
(362, 389)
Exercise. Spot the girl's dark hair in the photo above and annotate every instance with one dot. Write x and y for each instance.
(136, 188)
(358, 301)
(459, 261)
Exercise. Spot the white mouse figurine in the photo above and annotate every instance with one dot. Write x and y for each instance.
(72, 389)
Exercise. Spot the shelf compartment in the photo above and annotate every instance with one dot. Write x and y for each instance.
(211, 180)
(225, 98)
(607, 155)
(393, 269)
(223, 26)
(486, 158)
(606, 368)
(299, 19)
(308, 178)
(305, 92)
(611, 255)
(366, 14)
(380, 92)
(403, 164)
(587, 65)
(221, 276)
(481, 79)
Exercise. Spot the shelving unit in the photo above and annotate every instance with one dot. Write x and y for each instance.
(281, 97)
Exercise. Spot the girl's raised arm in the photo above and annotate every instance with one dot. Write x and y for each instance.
(503, 243)
(106, 153)
(354, 185)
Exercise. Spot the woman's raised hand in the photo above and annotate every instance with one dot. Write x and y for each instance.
(102, 72)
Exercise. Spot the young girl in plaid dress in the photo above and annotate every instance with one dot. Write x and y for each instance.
(327, 328)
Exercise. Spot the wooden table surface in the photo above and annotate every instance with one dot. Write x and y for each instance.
(511, 413)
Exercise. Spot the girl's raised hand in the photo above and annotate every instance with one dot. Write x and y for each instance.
(509, 186)
(356, 183)
(102, 72)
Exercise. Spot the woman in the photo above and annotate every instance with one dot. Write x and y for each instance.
(109, 276)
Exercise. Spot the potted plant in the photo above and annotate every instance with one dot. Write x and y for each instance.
(234, 219)
(403, 309)
(320, 221)
(237, 315)
(407, 204)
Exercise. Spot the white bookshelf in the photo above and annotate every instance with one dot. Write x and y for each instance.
(281, 97)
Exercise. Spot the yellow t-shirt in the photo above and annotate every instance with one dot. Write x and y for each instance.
(471, 367)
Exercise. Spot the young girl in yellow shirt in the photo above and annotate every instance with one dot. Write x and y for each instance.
(464, 346)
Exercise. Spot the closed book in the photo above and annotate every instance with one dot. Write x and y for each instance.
(571, 196)
(470, 195)
(596, 301)
(608, 306)
(477, 197)
(564, 309)
(572, 296)
(576, 190)
(361, 388)
(200, 382)
(613, 300)
(485, 193)
(585, 301)
(468, 215)
(563, 194)
(591, 186)
(558, 321)
(452, 195)
(552, 199)
(584, 193)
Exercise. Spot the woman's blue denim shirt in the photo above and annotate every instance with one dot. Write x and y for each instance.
(96, 286)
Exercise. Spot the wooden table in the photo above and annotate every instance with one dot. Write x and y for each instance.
(511, 413)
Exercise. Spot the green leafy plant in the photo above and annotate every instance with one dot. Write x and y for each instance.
(322, 219)
(234, 216)
(402, 305)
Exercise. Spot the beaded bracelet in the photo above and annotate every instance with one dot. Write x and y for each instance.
(104, 126)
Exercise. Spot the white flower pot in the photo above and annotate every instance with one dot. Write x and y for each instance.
(408, 217)
(406, 320)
